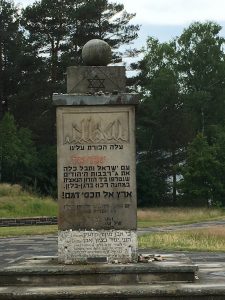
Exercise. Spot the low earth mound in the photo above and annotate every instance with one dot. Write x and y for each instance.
(15, 202)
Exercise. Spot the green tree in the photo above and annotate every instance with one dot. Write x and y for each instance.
(217, 141)
(162, 110)
(10, 41)
(151, 179)
(182, 83)
(60, 29)
(46, 179)
(27, 164)
(18, 156)
(200, 181)
(22, 72)
(202, 72)
(47, 24)
(9, 147)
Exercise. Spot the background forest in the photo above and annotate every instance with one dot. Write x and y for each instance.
(180, 118)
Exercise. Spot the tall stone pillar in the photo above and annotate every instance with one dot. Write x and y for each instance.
(96, 162)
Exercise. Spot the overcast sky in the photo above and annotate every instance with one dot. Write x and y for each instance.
(166, 19)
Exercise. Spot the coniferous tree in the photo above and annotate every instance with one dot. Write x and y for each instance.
(182, 82)
(10, 42)
(202, 71)
(163, 112)
(60, 29)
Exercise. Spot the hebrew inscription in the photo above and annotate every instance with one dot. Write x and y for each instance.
(96, 168)
(82, 245)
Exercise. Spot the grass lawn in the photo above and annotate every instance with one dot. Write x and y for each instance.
(165, 216)
(27, 230)
(207, 239)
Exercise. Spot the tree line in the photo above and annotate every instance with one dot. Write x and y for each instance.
(180, 118)
(37, 44)
(181, 128)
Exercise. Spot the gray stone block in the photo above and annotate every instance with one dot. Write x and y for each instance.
(94, 79)
(95, 100)
(96, 168)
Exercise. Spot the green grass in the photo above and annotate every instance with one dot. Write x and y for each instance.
(165, 216)
(14, 202)
(209, 239)
(27, 230)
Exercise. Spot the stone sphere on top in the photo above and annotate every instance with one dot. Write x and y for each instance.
(96, 53)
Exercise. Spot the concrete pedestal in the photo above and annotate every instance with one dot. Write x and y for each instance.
(96, 178)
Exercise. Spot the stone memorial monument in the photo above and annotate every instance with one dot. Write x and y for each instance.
(97, 202)
(96, 162)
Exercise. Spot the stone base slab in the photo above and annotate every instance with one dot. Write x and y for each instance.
(76, 247)
(46, 271)
(143, 292)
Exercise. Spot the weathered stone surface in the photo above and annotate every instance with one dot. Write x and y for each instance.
(132, 292)
(45, 271)
(79, 246)
(94, 79)
(85, 100)
(96, 53)
(96, 168)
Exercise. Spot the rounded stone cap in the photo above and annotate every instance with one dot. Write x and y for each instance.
(96, 53)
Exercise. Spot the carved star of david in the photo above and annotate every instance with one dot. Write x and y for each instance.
(96, 83)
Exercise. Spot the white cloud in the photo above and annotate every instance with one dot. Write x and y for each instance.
(175, 12)
(170, 12)
(24, 2)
